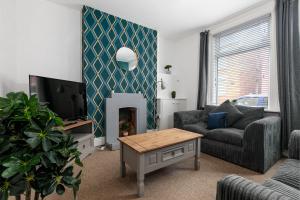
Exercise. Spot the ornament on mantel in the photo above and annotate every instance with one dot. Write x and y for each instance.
(167, 68)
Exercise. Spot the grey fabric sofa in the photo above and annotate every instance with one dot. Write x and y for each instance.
(285, 184)
(252, 144)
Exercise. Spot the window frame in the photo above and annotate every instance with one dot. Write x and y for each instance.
(237, 23)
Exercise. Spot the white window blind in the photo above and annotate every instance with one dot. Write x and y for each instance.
(241, 64)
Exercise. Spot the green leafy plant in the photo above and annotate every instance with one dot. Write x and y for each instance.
(125, 127)
(168, 67)
(173, 94)
(35, 154)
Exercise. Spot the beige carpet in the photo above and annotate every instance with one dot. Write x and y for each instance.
(101, 180)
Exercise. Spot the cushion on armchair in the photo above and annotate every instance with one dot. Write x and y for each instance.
(294, 145)
(282, 188)
(289, 173)
(251, 114)
(233, 113)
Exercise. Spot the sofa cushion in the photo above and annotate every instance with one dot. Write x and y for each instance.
(226, 135)
(200, 127)
(209, 108)
(251, 114)
(282, 189)
(289, 173)
(217, 120)
(233, 113)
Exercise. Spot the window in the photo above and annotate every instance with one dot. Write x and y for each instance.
(241, 64)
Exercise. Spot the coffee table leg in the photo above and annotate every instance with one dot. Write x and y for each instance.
(122, 162)
(197, 155)
(140, 175)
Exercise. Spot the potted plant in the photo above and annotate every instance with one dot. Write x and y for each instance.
(173, 94)
(125, 128)
(167, 68)
(35, 154)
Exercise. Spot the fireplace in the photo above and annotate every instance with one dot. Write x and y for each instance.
(124, 112)
(127, 121)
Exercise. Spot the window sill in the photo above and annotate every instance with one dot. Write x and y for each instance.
(272, 111)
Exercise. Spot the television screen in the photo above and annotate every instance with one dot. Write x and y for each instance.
(66, 98)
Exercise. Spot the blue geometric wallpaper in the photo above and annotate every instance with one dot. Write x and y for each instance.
(103, 35)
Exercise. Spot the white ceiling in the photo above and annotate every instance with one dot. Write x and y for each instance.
(170, 17)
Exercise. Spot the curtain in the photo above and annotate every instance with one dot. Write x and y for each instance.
(288, 60)
(203, 70)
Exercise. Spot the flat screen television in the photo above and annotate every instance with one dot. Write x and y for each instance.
(66, 98)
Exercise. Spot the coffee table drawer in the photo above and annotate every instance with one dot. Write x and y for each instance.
(166, 156)
(172, 153)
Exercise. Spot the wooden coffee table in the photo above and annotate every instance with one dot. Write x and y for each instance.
(148, 152)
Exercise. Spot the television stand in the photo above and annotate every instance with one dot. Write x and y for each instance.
(83, 132)
(68, 123)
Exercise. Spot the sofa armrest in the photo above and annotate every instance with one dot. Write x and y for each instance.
(233, 187)
(294, 145)
(188, 117)
(262, 143)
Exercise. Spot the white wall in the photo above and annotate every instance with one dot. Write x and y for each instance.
(166, 56)
(187, 60)
(42, 38)
(165, 52)
(7, 45)
(183, 55)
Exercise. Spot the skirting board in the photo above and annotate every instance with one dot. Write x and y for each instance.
(151, 130)
(99, 141)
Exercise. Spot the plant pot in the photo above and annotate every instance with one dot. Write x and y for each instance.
(168, 72)
(173, 95)
(125, 133)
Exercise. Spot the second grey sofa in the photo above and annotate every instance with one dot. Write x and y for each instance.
(284, 185)
(252, 142)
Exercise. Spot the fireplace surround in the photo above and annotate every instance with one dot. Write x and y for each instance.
(130, 108)
(127, 121)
